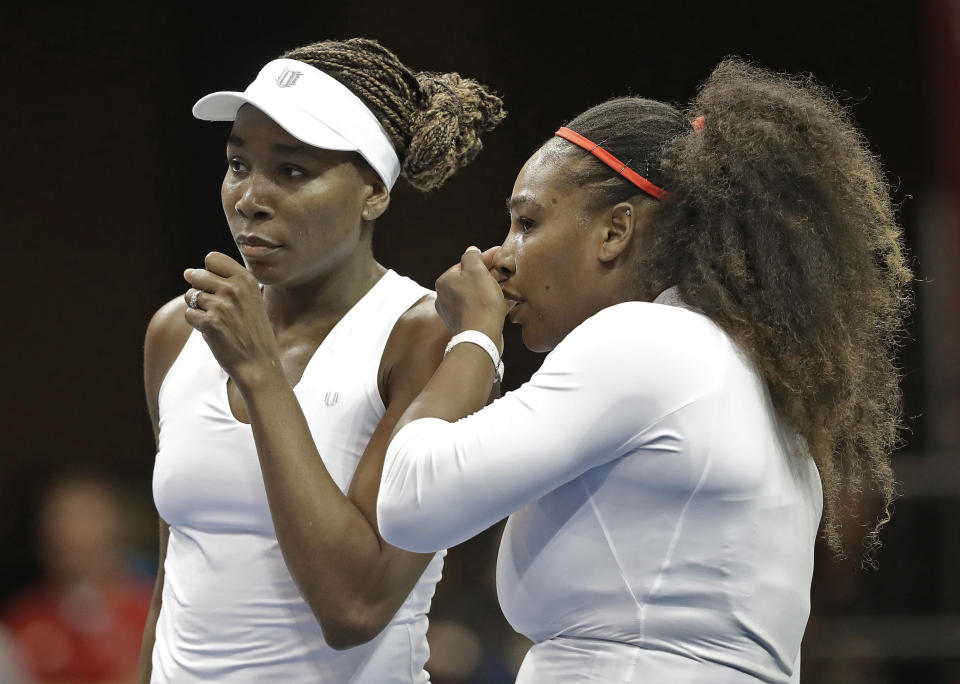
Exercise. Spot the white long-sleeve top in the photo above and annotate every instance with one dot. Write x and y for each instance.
(662, 517)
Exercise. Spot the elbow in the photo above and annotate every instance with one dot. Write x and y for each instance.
(351, 629)
(341, 635)
(351, 616)
(408, 508)
(392, 512)
(387, 519)
(404, 517)
(403, 526)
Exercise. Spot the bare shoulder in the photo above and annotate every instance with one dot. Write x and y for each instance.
(415, 346)
(166, 334)
(167, 331)
(420, 324)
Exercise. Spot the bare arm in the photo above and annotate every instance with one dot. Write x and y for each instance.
(353, 581)
(165, 337)
(469, 298)
(150, 629)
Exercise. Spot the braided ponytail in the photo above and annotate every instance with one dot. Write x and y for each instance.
(434, 120)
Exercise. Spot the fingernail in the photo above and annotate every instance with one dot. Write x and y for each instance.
(471, 248)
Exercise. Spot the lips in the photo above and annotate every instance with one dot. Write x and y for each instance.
(255, 241)
(255, 245)
(513, 302)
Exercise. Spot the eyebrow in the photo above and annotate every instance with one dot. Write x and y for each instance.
(523, 198)
(278, 148)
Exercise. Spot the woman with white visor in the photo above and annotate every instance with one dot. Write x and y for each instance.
(273, 385)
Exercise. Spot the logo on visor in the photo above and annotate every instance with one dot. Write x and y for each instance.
(288, 78)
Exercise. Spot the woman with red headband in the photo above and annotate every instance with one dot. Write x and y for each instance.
(273, 385)
(720, 292)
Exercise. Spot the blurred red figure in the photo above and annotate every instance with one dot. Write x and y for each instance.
(82, 622)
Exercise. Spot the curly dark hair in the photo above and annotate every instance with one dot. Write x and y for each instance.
(779, 226)
(434, 120)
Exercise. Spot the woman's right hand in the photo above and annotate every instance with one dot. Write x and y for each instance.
(469, 296)
(228, 309)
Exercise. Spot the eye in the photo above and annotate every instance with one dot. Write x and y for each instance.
(236, 165)
(292, 171)
(526, 224)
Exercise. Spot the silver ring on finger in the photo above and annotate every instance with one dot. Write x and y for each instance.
(193, 299)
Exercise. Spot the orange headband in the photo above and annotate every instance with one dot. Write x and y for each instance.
(611, 161)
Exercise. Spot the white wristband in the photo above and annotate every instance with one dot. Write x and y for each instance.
(484, 342)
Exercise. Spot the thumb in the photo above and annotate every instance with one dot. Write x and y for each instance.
(472, 260)
(488, 256)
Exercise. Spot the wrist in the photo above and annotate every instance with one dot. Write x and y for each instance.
(262, 377)
(491, 328)
(482, 340)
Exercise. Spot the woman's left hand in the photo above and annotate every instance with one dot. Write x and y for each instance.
(225, 304)
(469, 296)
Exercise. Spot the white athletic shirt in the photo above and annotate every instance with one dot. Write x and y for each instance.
(663, 517)
(231, 612)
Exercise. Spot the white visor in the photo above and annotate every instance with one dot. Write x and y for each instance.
(314, 108)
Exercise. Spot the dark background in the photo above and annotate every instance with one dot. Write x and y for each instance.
(111, 189)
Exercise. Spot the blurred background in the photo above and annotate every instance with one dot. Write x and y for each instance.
(110, 189)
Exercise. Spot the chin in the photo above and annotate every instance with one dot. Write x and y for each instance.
(265, 275)
(536, 343)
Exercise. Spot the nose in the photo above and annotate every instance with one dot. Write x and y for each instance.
(505, 260)
(254, 202)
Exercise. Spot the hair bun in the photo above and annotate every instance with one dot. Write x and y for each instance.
(445, 134)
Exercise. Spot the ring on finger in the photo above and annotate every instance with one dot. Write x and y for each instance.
(193, 299)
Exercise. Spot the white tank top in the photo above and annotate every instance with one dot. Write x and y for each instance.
(231, 611)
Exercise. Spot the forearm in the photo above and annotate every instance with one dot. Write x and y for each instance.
(147, 642)
(332, 551)
(443, 481)
(150, 628)
(460, 386)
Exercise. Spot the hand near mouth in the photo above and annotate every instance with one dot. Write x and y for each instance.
(225, 304)
(469, 295)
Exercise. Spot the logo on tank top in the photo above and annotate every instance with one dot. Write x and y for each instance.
(331, 398)
(288, 78)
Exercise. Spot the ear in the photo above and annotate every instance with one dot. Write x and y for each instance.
(376, 202)
(618, 231)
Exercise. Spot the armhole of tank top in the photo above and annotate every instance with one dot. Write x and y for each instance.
(421, 292)
(173, 366)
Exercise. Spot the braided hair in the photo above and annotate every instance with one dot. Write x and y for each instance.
(779, 226)
(434, 120)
